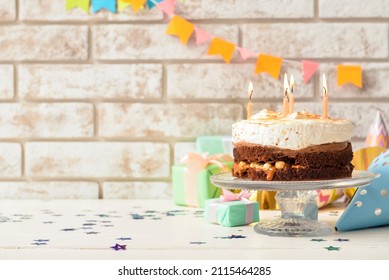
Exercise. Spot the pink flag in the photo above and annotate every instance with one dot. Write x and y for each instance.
(167, 6)
(245, 54)
(309, 68)
(201, 36)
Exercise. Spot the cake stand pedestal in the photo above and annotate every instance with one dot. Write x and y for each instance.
(292, 198)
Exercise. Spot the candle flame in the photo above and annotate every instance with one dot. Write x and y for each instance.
(291, 83)
(325, 91)
(250, 90)
(286, 86)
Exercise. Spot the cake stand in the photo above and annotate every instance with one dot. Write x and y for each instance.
(292, 198)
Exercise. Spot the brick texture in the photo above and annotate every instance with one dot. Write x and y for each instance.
(7, 10)
(101, 105)
(135, 81)
(97, 160)
(46, 120)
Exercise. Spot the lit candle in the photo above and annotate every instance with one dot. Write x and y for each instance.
(325, 98)
(291, 95)
(249, 104)
(285, 105)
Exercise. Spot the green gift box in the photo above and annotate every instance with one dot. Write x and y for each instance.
(214, 144)
(191, 182)
(231, 213)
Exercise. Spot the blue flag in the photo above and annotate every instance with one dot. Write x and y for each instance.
(97, 5)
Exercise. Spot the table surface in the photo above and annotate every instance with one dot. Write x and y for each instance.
(158, 229)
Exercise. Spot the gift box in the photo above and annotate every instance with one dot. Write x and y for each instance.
(231, 213)
(214, 145)
(191, 179)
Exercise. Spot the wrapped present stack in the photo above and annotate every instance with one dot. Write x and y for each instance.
(191, 178)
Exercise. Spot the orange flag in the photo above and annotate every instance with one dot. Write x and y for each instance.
(135, 4)
(222, 47)
(269, 64)
(180, 27)
(350, 74)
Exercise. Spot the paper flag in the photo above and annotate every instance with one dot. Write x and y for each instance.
(221, 47)
(309, 68)
(245, 53)
(350, 74)
(97, 5)
(122, 4)
(269, 64)
(167, 6)
(377, 135)
(201, 36)
(151, 3)
(83, 4)
(370, 205)
(362, 160)
(180, 27)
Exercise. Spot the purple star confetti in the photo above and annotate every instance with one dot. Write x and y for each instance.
(124, 238)
(197, 242)
(39, 243)
(107, 225)
(318, 240)
(92, 232)
(86, 228)
(42, 240)
(48, 222)
(118, 247)
(89, 224)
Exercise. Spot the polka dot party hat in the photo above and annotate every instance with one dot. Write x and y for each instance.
(369, 206)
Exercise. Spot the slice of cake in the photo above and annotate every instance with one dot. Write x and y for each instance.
(301, 146)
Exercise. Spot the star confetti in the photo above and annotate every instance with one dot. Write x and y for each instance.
(342, 239)
(68, 229)
(118, 247)
(41, 240)
(318, 240)
(124, 238)
(89, 224)
(85, 227)
(39, 243)
(137, 217)
(332, 248)
(197, 242)
(107, 225)
(92, 232)
(48, 222)
(232, 236)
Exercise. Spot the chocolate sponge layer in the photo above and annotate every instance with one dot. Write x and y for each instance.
(316, 163)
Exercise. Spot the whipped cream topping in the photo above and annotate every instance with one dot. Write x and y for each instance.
(296, 131)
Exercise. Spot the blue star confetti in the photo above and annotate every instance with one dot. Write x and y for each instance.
(89, 224)
(39, 243)
(118, 247)
(68, 229)
(42, 240)
(342, 240)
(124, 238)
(92, 232)
(232, 236)
(137, 217)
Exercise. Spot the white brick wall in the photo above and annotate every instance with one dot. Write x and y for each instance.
(101, 105)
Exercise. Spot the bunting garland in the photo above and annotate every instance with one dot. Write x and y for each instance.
(184, 29)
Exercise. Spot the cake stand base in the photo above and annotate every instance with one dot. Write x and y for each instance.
(293, 227)
(293, 222)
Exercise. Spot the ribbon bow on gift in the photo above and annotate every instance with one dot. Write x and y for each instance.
(197, 162)
(230, 196)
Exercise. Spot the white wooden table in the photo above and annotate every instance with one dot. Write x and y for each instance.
(158, 229)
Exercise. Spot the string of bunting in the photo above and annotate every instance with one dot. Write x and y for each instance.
(183, 29)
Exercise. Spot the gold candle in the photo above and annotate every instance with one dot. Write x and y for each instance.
(285, 105)
(325, 98)
(291, 95)
(249, 104)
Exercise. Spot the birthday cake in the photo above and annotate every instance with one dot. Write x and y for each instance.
(299, 146)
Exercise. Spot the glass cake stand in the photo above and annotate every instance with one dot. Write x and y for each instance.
(292, 198)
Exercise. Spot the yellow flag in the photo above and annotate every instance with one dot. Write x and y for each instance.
(122, 4)
(350, 74)
(180, 27)
(222, 47)
(269, 64)
(136, 4)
